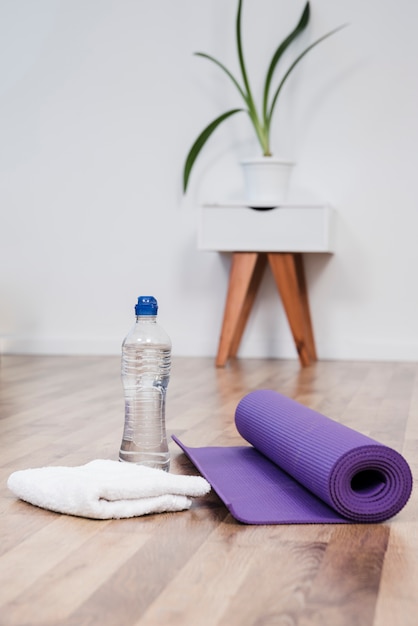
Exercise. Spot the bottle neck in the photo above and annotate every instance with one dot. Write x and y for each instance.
(151, 319)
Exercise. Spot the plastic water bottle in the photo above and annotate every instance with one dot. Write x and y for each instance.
(146, 363)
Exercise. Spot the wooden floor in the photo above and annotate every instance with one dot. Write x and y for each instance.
(198, 567)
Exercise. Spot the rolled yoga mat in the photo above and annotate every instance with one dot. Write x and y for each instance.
(302, 467)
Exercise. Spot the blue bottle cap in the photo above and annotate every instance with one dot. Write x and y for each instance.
(147, 305)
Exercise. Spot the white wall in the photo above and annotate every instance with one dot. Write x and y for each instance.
(99, 103)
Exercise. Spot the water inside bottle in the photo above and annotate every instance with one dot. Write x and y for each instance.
(145, 375)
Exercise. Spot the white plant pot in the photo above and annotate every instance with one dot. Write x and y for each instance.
(266, 181)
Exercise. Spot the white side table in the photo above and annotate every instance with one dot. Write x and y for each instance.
(278, 236)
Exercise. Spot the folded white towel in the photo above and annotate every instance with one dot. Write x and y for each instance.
(105, 489)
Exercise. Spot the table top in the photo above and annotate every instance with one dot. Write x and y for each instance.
(287, 228)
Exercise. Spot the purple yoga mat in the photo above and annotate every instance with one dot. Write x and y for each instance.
(302, 467)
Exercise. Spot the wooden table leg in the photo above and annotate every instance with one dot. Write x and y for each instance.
(289, 277)
(244, 279)
(248, 302)
(303, 294)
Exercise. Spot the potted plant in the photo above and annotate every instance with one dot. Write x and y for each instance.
(260, 120)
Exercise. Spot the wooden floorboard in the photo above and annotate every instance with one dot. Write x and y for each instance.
(198, 567)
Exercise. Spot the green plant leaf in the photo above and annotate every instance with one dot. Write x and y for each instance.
(227, 72)
(200, 142)
(292, 67)
(300, 27)
(239, 49)
(252, 110)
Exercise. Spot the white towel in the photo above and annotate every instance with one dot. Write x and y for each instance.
(105, 489)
